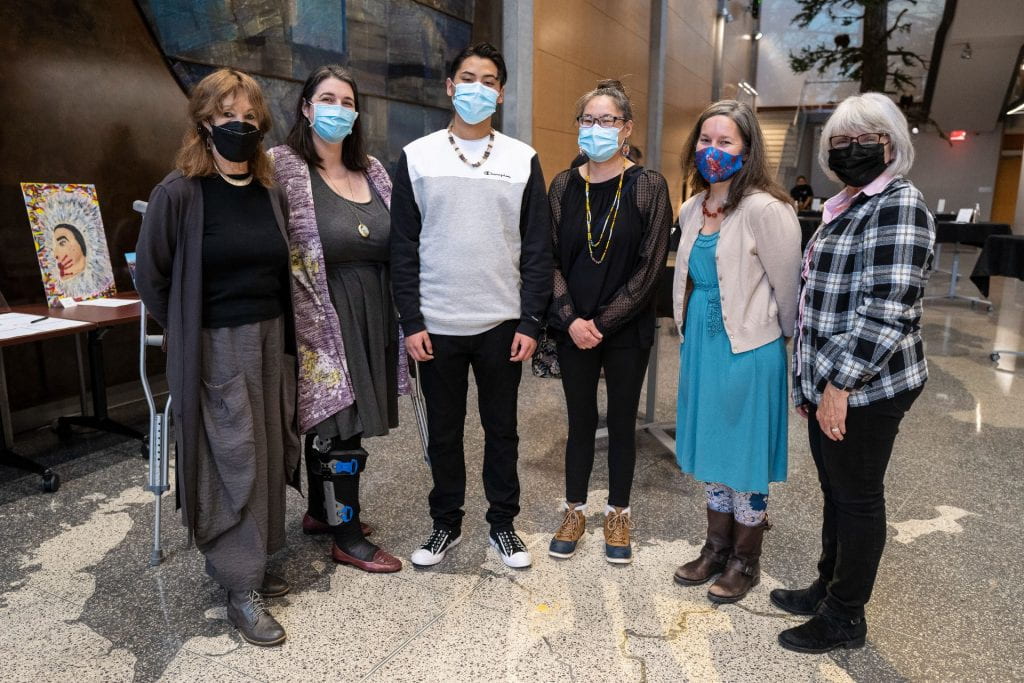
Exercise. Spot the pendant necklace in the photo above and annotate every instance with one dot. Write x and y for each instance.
(361, 228)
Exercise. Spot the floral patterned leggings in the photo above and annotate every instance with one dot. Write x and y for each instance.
(749, 509)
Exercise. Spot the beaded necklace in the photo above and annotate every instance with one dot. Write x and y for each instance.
(612, 214)
(487, 153)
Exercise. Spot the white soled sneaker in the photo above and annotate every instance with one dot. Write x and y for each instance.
(434, 550)
(511, 549)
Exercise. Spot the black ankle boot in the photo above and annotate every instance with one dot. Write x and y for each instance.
(824, 632)
(249, 615)
(274, 586)
(804, 601)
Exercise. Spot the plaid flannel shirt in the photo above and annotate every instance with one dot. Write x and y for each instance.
(860, 323)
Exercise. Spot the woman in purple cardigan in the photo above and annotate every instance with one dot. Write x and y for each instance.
(352, 365)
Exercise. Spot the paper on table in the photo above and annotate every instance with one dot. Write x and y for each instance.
(13, 325)
(109, 303)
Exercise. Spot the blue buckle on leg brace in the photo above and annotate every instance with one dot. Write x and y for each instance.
(350, 467)
(345, 512)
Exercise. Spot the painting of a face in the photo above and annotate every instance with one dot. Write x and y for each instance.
(67, 247)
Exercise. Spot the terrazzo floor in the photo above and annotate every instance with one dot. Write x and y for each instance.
(79, 601)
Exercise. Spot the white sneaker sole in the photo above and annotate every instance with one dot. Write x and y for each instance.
(433, 559)
(521, 563)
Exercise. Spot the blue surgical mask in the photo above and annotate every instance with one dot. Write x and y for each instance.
(717, 165)
(474, 102)
(333, 122)
(599, 144)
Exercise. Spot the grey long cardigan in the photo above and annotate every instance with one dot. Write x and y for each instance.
(169, 278)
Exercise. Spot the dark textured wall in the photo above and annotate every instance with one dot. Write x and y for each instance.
(398, 51)
(86, 98)
(91, 92)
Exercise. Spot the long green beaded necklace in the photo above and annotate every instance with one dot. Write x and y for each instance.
(613, 213)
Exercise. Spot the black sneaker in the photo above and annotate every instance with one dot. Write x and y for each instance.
(433, 551)
(511, 549)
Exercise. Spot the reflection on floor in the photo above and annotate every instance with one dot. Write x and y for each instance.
(78, 600)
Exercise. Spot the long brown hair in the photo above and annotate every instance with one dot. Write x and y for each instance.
(195, 159)
(300, 138)
(754, 173)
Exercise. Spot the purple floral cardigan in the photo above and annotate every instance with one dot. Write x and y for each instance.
(324, 384)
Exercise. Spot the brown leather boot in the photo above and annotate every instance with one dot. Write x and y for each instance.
(713, 555)
(743, 570)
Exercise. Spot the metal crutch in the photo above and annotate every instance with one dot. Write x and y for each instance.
(158, 426)
(419, 407)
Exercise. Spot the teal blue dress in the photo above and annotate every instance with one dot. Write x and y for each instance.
(732, 415)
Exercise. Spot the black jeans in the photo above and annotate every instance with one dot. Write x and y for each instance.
(445, 381)
(624, 370)
(852, 477)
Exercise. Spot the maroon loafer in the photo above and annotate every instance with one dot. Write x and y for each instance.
(382, 562)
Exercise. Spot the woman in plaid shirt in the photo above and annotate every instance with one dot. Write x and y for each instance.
(858, 360)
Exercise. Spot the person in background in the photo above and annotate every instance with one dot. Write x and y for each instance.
(610, 225)
(471, 276)
(354, 366)
(802, 193)
(212, 270)
(735, 300)
(858, 360)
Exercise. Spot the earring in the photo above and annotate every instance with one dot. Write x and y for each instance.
(625, 149)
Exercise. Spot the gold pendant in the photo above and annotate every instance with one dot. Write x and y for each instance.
(363, 230)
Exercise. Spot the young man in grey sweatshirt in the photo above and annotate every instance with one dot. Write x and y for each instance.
(471, 273)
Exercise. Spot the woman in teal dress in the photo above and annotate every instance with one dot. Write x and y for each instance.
(735, 301)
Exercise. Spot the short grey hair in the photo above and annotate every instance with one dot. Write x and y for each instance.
(869, 112)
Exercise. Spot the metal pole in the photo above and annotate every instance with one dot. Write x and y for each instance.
(717, 72)
(656, 83)
(517, 44)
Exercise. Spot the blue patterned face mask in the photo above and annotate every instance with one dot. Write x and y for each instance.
(474, 102)
(717, 165)
(333, 122)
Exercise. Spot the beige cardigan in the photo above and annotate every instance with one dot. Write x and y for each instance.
(758, 261)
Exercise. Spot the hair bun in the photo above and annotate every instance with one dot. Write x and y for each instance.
(611, 84)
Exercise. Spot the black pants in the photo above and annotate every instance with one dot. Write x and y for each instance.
(445, 381)
(624, 370)
(852, 476)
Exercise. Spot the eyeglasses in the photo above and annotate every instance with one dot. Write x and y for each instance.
(843, 141)
(606, 121)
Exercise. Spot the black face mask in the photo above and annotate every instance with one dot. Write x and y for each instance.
(857, 165)
(236, 140)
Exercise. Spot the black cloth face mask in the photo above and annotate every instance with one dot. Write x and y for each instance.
(857, 165)
(236, 140)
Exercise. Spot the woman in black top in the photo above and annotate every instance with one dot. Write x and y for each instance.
(212, 269)
(610, 227)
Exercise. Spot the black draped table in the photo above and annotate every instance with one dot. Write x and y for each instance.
(1001, 256)
(963, 234)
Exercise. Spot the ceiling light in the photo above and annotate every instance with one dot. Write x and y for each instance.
(966, 52)
(915, 130)
(1019, 109)
(958, 135)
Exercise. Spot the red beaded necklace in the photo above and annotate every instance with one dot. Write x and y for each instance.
(704, 209)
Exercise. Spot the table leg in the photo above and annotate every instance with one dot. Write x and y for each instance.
(51, 482)
(5, 408)
(82, 390)
(100, 418)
